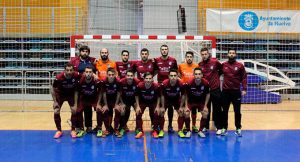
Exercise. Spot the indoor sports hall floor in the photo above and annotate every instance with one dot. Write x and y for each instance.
(270, 133)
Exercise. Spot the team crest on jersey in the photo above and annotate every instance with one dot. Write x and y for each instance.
(128, 65)
(236, 68)
(212, 67)
(92, 87)
(170, 63)
(73, 80)
(202, 88)
(152, 92)
(149, 67)
(115, 85)
(178, 89)
(133, 87)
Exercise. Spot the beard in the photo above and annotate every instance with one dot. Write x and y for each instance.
(231, 59)
(104, 57)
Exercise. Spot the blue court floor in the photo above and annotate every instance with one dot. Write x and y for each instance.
(257, 146)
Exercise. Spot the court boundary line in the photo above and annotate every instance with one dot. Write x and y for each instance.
(145, 148)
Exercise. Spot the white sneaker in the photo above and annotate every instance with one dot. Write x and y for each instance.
(201, 134)
(219, 132)
(204, 130)
(188, 134)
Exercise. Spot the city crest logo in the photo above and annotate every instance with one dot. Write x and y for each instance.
(248, 20)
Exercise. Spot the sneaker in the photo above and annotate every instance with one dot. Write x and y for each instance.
(195, 129)
(170, 129)
(99, 133)
(181, 134)
(106, 133)
(80, 133)
(219, 132)
(139, 135)
(204, 130)
(188, 134)
(117, 134)
(238, 132)
(122, 131)
(57, 134)
(73, 134)
(223, 132)
(161, 133)
(201, 134)
(154, 134)
(89, 130)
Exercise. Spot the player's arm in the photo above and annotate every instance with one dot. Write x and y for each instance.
(206, 101)
(138, 108)
(244, 81)
(75, 100)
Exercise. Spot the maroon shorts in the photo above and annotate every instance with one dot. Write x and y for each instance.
(86, 103)
(62, 98)
(176, 105)
(197, 106)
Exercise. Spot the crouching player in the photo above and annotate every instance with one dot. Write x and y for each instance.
(172, 96)
(111, 98)
(64, 88)
(197, 97)
(128, 88)
(89, 88)
(147, 96)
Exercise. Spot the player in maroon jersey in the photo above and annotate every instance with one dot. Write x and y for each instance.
(172, 96)
(144, 65)
(64, 89)
(89, 88)
(211, 69)
(148, 95)
(111, 98)
(124, 65)
(197, 97)
(163, 65)
(80, 62)
(234, 75)
(128, 88)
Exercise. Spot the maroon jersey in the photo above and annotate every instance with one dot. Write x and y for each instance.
(172, 93)
(123, 67)
(66, 86)
(141, 68)
(111, 89)
(164, 66)
(197, 93)
(234, 75)
(148, 96)
(211, 70)
(128, 92)
(88, 90)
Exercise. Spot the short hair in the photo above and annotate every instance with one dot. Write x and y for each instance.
(164, 45)
(148, 73)
(110, 69)
(68, 65)
(197, 68)
(145, 50)
(189, 52)
(84, 47)
(231, 49)
(173, 70)
(204, 49)
(129, 71)
(124, 51)
(88, 67)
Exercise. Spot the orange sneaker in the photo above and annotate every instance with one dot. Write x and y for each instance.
(73, 134)
(154, 134)
(139, 135)
(57, 134)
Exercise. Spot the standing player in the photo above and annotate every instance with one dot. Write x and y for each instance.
(104, 63)
(64, 89)
(144, 65)
(111, 98)
(172, 96)
(163, 65)
(197, 97)
(211, 69)
(128, 88)
(234, 75)
(147, 96)
(80, 62)
(186, 71)
(124, 65)
(89, 88)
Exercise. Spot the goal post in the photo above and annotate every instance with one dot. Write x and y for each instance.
(178, 44)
